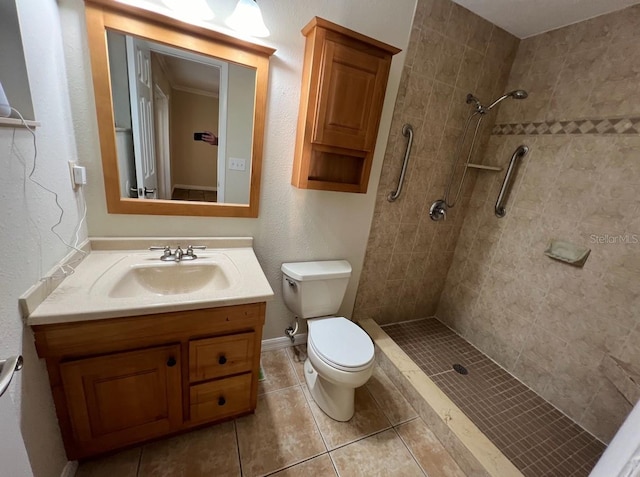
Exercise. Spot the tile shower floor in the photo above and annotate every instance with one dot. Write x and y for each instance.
(290, 436)
(534, 435)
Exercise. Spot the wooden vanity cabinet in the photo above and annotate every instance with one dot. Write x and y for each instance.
(123, 381)
(344, 81)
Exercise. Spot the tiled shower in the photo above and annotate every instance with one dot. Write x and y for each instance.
(551, 325)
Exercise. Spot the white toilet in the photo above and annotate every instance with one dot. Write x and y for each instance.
(340, 353)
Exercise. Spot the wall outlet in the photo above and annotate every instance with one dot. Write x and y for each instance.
(72, 164)
(236, 164)
(78, 175)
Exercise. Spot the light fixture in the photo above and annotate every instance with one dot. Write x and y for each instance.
(247, 19)
(191, 9)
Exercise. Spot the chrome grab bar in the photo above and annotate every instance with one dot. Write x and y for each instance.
(407, 131)
(519, 153)
(7, 368)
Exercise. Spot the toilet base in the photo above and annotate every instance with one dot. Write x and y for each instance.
(336, 401)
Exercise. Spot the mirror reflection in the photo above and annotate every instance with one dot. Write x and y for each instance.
(183, 122)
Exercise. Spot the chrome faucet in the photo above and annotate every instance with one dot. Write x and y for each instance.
(179, 254)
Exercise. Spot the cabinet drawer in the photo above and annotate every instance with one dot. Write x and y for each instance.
(221, 356)
(220, 398)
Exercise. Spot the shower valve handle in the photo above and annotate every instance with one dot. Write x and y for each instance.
(438, 210)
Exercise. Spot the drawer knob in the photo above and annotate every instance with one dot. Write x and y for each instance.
(221, 401)
(171, 362)
(222, 360)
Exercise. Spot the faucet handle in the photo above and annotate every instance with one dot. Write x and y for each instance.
(165, 248)
(166, 251)
(190, 249)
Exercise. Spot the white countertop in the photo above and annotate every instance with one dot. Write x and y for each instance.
(85, 294)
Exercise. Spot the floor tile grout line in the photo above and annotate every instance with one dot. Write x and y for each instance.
(235, 430)
(333, 463)
(315, 421)
(279, 389)
(406, 421)
(139, 462)
(406, 446)
(361, 438)
(289, 466)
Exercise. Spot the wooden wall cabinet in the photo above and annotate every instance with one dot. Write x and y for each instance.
(344, 81)
(123, 381)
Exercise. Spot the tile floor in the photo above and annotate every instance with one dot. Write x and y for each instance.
(534, 435)
(195, 195)
(290, 436)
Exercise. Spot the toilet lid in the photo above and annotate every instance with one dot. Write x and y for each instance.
(341, 343)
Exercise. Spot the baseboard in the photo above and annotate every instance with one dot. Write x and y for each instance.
(194, 187)
(283, 342)
(70, 469)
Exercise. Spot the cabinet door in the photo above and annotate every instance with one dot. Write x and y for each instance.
(122, 398)
(353, 83)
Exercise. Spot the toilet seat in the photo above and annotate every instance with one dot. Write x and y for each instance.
(340, 343)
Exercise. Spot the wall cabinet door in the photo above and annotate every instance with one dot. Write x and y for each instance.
(123, 398)
(344, 80)
(353, 87)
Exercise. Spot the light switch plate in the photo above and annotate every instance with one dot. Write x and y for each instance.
(236, 164)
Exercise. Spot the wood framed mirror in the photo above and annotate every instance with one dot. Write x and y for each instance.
(159, 84)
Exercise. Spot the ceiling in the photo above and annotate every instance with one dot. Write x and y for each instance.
(525, 18)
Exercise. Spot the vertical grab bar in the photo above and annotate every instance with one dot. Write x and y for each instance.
(519, 153)
(407, 131)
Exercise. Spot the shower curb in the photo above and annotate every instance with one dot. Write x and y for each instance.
(476, 455)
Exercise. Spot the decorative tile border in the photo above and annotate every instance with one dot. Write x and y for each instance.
(582, 126)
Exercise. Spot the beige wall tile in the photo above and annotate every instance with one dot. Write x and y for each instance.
(452, 52)
(571, 188)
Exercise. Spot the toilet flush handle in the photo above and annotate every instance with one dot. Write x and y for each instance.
(291, 283)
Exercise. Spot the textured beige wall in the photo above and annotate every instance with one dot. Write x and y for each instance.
(452, 52)
(549, 323)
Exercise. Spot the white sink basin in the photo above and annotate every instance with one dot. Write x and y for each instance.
(113, 281)
(170, 278)
(139, 276)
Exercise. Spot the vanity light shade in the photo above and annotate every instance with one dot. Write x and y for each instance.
(191, 9)
(247, 19)
(5, 107)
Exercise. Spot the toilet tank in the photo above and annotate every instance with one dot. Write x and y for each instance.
(313, 289)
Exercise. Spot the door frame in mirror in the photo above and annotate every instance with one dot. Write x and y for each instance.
(110, 14)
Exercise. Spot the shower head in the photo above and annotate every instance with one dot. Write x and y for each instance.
(517, 94)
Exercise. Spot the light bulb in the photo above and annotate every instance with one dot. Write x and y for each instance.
(247, 19)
